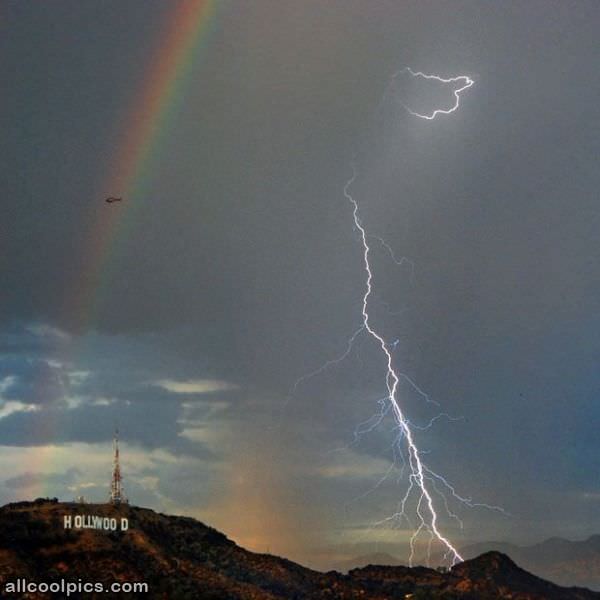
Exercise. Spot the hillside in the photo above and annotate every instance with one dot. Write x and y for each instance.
(375, 558)
(181, 558)
(562, 561)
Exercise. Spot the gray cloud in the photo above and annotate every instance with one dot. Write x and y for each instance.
(239, 262)
(31, 479)
(33, 381)
(158, 428)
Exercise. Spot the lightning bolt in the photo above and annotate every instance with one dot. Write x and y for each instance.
(329, 363)
(467, 81)
(418, 470)
(422, 481)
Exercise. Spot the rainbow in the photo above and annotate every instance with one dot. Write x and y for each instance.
(147, 122)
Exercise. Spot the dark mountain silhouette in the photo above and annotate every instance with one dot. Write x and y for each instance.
(376, 558)
(562, 561)
(181, 558)
(491, 576)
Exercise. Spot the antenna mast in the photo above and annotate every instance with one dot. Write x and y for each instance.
(116, 486)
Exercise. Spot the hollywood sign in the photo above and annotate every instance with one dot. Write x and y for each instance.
(95, 522)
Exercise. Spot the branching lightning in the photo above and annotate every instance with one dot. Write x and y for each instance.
(329, 363)
(466, 81)
(423, 483)
(418, 470)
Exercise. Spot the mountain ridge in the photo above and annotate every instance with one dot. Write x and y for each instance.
(180, 558)
(562, 561)
(376, 558)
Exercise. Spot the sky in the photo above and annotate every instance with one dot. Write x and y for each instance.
(236, 270)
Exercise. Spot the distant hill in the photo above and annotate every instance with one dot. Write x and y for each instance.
(559, 560)
(491, 576)
(376, 558)
(180, 559)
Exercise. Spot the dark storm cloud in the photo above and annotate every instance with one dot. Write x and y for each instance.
(32, 381)
(158, 428)
(17, 338)
(80, 405)
(240, 262)
(29, 479)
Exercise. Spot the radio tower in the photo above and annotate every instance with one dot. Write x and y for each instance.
(116, 487)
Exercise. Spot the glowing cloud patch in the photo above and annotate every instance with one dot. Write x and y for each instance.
(463, 82)
(196, 386)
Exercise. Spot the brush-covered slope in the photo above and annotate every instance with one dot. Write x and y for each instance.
(181, 558)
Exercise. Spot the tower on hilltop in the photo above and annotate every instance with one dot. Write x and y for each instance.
(116, 486)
